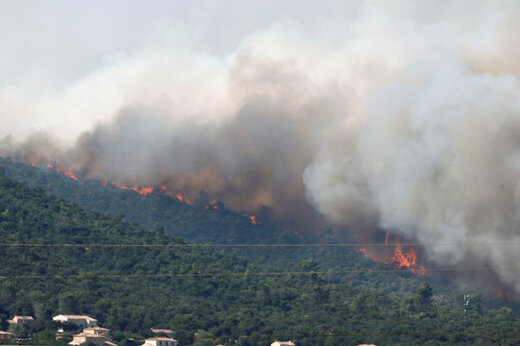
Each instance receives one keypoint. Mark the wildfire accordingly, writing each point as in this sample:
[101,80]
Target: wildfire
[399,258]
[63,171]
[406,259]
[58,169]
[253,219]
[363,250]
[180,197]
[143,191]
[501,293]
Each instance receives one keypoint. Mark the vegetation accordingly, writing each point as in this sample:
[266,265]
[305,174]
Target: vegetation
[205,294]
[198,224]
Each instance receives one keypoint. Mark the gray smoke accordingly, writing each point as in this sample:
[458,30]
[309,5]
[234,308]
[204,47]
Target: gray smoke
[408,120]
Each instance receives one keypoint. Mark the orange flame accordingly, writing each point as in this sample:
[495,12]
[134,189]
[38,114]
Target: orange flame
[180,197]
[167,192]
[406,259]
[400,258]
[253,219]
[501,293]
[140,190]
[66,172]
[58,169]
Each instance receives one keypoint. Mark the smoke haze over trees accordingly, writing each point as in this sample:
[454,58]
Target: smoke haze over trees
[403,116]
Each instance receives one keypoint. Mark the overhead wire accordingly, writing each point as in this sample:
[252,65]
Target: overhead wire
[267,245]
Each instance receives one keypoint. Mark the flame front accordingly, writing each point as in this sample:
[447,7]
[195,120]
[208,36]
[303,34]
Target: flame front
[253,219]
[399,258]
[180,197]
[143,191]
[501,293]
[406,259]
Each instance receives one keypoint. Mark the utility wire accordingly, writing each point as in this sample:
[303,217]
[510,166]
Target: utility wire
[255,245]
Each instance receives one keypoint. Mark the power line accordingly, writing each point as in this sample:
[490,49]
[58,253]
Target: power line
[255,245]
[247,273]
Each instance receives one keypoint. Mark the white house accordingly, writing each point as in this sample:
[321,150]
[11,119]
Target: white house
[283,343]
[97,331]
[79,320]
[27,320]
[160,341]
[81,338]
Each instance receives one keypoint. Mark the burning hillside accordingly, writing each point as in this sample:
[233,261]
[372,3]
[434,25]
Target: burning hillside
[395,255]
[406,119]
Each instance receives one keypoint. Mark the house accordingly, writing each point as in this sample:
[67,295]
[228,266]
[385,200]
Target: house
[6,336]
[161,332]
[283,343]
[160,341]
[79,320]
[81,338]
[97,331]
[27,320]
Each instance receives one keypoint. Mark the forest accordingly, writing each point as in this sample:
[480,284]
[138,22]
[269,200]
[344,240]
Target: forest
[62,258]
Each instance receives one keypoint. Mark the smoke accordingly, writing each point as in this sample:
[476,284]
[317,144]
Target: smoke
[408,120]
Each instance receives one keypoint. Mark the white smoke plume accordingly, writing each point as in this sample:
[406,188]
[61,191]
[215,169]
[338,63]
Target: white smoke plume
[407,117]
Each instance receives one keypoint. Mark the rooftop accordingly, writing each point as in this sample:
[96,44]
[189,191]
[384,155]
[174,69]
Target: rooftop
[23,317]
[76,317]
[160,338]
[166,331]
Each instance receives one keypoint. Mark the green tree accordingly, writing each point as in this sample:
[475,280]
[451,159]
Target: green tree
[46,335]
[424,294]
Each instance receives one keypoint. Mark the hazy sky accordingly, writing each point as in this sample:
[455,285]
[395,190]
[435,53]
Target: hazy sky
[52,49]
[59,41]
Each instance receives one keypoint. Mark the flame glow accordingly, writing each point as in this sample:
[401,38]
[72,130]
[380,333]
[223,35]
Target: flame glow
[143,191]
[406,259]
[501,293]
[399,258]
[253,219]
[58,169]
[62,170]
[180,197]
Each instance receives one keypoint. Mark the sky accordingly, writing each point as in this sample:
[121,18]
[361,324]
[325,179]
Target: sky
[64,40]
[49,47]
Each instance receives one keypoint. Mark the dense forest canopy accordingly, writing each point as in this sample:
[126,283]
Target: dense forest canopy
[133,289]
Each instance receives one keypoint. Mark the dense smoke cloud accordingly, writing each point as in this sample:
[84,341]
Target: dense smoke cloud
[409,121]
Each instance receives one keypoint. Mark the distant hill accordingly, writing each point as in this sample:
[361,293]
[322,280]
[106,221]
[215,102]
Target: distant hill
[222,226]
[123,288]
[199,224]
[195,223]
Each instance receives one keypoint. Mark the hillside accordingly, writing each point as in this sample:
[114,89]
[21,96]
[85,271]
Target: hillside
[131,289]
[196,223]
[222,226]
